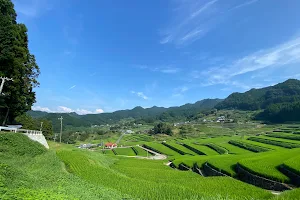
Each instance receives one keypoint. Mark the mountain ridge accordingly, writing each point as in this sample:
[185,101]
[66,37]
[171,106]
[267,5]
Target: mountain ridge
[138,112]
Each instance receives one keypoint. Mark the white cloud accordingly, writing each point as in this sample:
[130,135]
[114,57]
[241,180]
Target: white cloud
[261,62]
[140,94]
[243,5]
[192,34]
[72,87]
[64,109]
[39,108]
[168,70]
[283,54]
[99,110]
[179,91]
[162,69]
[193,19]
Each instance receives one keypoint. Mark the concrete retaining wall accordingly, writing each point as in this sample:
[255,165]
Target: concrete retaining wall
[209,171]
[265,183]
[183,167]
[39,138]
[197,170]
[295,178]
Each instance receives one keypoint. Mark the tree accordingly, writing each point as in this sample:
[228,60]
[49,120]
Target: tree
[16,62]
[47,128]
[35,124]
[162,128]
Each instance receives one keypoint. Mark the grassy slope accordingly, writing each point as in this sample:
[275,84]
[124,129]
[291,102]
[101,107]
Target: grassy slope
[125,151]
[266,164]
[141,152]
[28,171]
[161,148]
[152,180]
[293,164]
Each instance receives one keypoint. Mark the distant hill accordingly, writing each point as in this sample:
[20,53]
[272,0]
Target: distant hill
[256,99]
[153,113]
[37,114]
[280,103]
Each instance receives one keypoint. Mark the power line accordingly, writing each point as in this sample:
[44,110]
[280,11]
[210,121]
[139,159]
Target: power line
[3,81]
[61,119]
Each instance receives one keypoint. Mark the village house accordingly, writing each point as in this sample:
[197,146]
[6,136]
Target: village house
[110,145]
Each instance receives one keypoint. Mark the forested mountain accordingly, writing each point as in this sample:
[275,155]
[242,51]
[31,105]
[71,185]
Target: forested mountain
[256,99]
[145,114]
[281,102]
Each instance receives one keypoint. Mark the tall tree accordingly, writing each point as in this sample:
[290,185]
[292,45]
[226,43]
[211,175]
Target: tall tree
[16,62]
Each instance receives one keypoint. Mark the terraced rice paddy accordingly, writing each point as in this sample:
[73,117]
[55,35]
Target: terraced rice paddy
[261,156]
[266,164]
[145,179]
[248,146]
[158,147]
[124,151]
[202,148]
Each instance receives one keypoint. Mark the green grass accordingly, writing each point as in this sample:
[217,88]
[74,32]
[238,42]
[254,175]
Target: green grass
[248,146]
[108,152]
[217,148]
[288,145]
[266,164]
[267,146]
[226,163]
[293,164]
[181,148]
[158,147]
[206,150]
[134,139]
[140,152]
[285,136]
[234,149]
[29,171]
[124,151]
[152,180]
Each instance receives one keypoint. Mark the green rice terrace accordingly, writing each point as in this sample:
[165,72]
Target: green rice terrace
[264,166]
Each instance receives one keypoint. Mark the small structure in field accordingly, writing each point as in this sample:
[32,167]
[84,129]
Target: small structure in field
[110,145]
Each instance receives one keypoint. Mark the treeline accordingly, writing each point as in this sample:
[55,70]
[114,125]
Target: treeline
[256,99]
[280,103]
[139,114]
[281,112]
[30,123]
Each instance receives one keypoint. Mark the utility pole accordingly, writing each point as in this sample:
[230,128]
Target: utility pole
[61,119]
[3,81]
[41,126]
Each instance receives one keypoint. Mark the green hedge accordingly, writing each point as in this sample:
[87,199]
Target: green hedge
[217,148]
[288,145]
[285,136]
[250,147]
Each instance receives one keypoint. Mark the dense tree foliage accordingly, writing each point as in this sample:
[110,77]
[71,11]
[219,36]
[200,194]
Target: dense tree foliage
[162,128]
[281,102]
[16,62]
[141,115]
[281,112]
[35,124]
[255,99]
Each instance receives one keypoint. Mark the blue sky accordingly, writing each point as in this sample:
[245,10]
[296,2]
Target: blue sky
[100,56]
